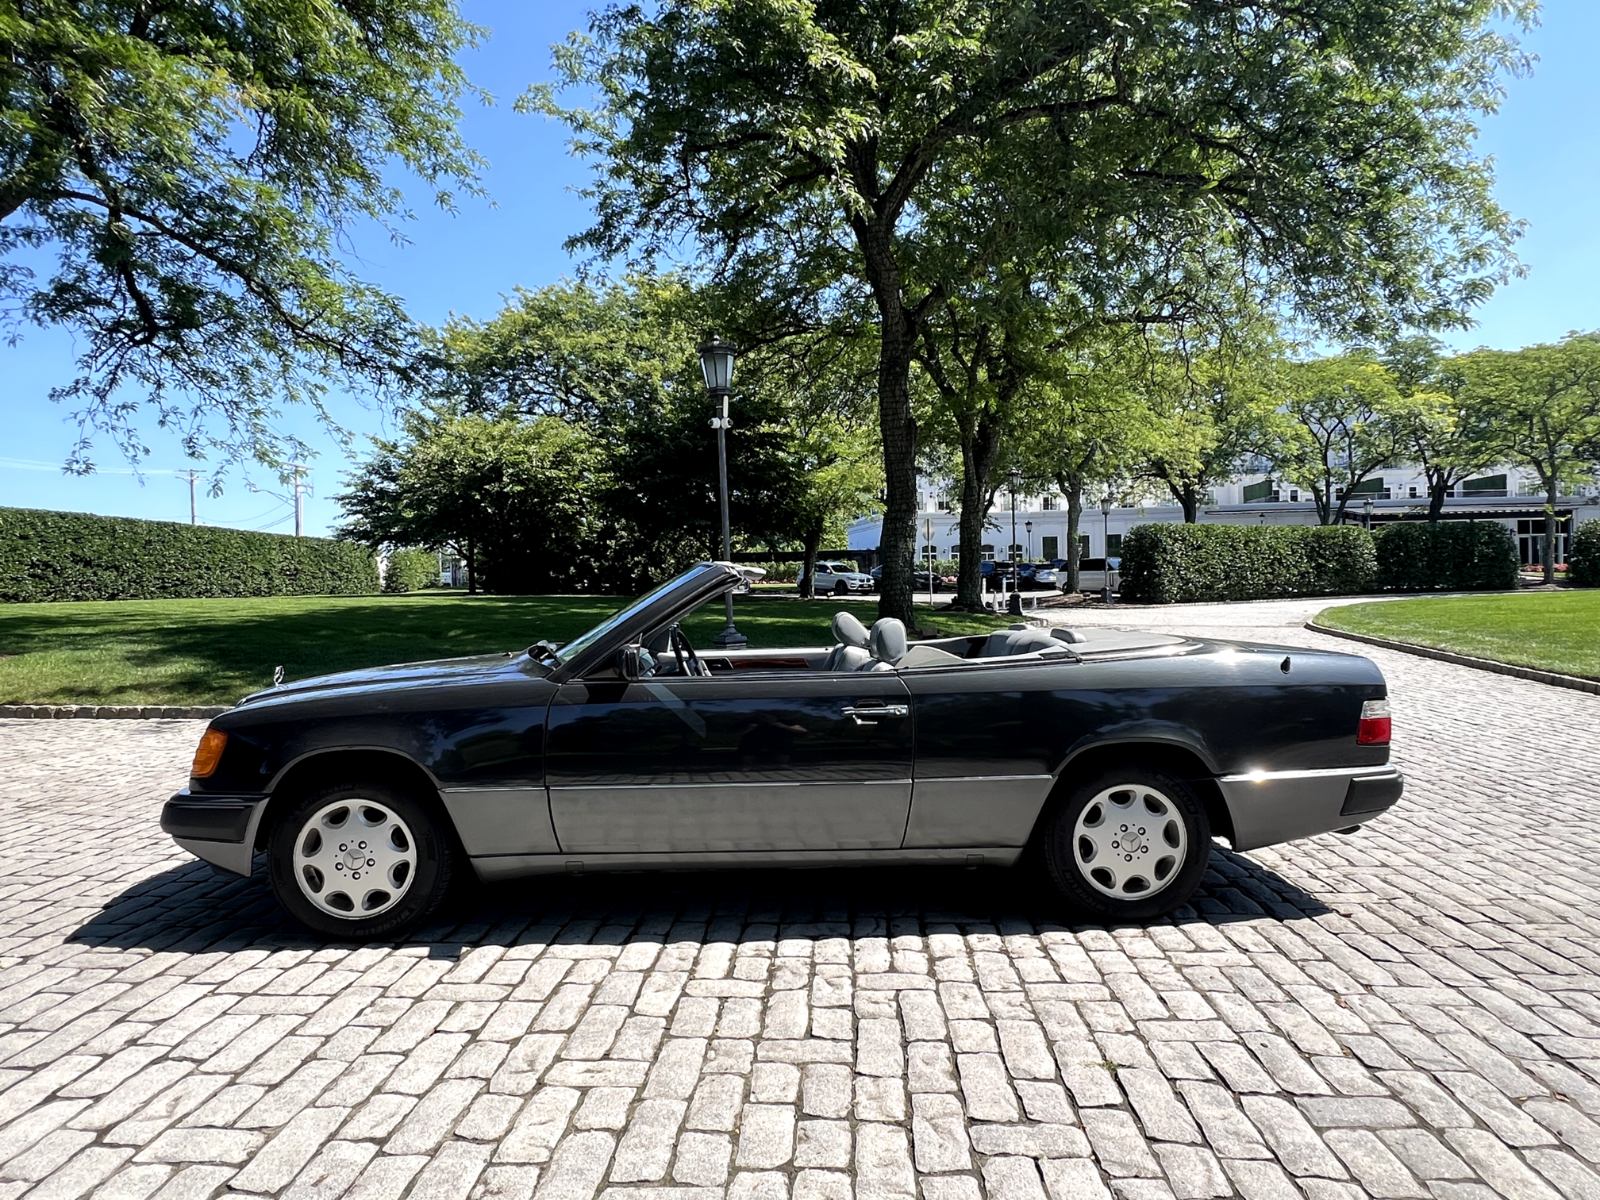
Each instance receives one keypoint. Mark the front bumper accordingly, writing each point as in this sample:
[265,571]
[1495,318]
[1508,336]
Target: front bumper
[219,829]
[1268,807]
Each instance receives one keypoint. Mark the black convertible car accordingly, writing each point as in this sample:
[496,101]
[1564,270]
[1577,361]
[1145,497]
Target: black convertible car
[1114,756]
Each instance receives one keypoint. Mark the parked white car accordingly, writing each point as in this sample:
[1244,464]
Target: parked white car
[840,579]
[1094,573]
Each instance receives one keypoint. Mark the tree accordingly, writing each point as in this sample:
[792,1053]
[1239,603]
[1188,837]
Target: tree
[1209,396]
[1337,428]
[620,361]
[1086,425]
[192,168]
[1450,439]
[514,498]
[1329,146]
[1547,402]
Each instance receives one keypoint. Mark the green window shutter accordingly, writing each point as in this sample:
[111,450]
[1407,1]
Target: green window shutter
[1257,491]
[1489,483]
[1367,485]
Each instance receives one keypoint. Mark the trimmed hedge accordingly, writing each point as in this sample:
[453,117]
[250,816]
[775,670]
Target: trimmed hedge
[79,556]
[411,571]
[1583,564]
[1175,564]
[1450,556]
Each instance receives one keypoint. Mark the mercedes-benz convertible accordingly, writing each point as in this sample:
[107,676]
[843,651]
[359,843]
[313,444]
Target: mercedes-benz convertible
[1107,757]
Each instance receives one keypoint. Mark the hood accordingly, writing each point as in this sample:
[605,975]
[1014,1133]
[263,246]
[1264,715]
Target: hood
[435,672]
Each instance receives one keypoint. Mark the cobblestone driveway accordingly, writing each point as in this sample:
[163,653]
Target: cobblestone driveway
[1414,1011]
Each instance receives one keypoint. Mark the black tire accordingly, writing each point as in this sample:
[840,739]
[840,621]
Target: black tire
[1148,789]
[425,884]
[840,589]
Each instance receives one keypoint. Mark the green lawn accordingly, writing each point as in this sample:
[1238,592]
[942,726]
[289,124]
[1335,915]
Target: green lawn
[214,651]
[1551,631]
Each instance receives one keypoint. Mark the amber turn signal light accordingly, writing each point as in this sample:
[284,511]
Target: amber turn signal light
[208,753]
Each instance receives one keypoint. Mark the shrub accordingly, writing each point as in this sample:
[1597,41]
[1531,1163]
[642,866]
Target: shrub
[778,572]
[411,571]
[79,556]
[1583,565]
[1450,556]
[1174,564]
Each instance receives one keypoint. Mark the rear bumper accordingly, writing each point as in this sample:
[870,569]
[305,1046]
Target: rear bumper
[219,829]
[1268,807]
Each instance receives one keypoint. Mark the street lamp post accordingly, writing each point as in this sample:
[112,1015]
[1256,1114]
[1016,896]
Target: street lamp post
[1028,525]
[1105,517]
[716,364]
[1366,512]
[1014,601]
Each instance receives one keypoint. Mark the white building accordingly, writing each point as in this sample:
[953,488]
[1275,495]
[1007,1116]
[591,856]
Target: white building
[1509,495]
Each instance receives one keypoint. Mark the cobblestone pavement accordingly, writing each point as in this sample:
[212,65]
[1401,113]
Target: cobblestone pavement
[1412,1011]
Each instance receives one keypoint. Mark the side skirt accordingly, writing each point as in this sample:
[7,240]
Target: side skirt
[519,866]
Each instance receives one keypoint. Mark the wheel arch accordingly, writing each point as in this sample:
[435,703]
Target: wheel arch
[320,767]
[1175,757]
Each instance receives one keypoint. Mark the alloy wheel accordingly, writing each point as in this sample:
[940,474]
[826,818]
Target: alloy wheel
[355,858]
[1129,841]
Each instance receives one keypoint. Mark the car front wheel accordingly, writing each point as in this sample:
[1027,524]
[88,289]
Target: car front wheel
[1129,844]
[360,860]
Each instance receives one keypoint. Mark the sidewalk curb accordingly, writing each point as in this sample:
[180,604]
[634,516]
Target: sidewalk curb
[1554,679]
[126,712]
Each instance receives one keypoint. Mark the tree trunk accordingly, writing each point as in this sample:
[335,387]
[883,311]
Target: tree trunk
[1552,487]
[978,451]
[808,565]
[1436,495]
[1074,519]
[897,543]
[1324,498]
[1189,497]
[472,569]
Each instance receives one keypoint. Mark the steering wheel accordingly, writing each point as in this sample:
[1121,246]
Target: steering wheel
[688,661]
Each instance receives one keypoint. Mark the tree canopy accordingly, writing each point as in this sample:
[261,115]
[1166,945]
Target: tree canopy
[1326,145]
[191,170]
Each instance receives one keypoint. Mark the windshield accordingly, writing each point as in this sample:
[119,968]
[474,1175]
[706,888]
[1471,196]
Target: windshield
[573,649]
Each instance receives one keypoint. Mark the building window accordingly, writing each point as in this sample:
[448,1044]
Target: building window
[930,552]
[1052,503]
[1530,541]
[1294,495]
[955,553]
[1047,549]
[1083,545]
[943,505]
[1113,545]
[1411,492]
[986,552]
[1016,552]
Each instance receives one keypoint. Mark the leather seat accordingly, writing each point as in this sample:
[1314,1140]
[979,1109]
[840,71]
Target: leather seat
[1006,642]
[852,652]
[888,644]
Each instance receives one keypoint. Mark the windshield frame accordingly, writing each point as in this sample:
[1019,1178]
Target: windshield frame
[678,595]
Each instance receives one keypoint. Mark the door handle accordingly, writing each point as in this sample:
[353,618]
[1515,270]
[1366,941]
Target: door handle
[866,714]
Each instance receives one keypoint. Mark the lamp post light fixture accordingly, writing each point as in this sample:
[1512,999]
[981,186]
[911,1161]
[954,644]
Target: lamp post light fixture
[1105,517]
[1366,512]
[716,364]
[1028,525]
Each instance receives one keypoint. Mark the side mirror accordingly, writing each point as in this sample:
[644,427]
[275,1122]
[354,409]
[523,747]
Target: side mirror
[629,665]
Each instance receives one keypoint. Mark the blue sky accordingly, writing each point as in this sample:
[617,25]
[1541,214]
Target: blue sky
[1545,143]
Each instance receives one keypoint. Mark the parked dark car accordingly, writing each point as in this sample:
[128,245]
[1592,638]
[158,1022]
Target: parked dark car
[921,580]
[1116,755]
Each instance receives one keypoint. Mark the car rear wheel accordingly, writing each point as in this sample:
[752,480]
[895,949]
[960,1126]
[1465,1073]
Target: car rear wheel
[1129,844]
[360,860]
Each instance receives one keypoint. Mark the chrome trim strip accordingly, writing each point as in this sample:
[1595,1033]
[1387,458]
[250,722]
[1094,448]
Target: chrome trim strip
[1321,773]
[499,787]
[743,783]
[976,778]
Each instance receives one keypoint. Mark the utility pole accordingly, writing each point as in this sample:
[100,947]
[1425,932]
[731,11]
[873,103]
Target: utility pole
[190,474]
[299,470]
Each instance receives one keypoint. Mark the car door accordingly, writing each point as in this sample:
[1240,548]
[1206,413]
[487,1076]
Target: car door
[746,762]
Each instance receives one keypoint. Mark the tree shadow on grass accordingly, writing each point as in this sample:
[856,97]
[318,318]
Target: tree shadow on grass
[192,909]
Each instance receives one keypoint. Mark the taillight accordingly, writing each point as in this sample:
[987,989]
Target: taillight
[1374,727]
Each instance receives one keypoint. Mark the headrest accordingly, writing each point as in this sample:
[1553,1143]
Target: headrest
[888,639]
[1071,636]
[850,631]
